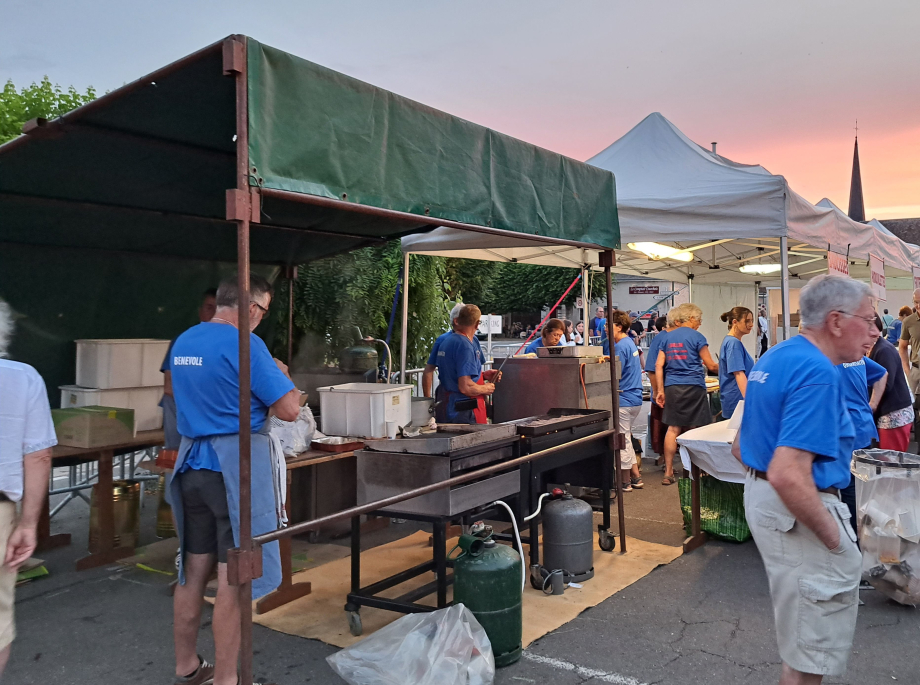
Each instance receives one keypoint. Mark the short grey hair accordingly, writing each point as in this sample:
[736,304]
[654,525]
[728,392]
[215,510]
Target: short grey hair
[455,312]
[6,328]
[830,293]
[683,313]
[228,292]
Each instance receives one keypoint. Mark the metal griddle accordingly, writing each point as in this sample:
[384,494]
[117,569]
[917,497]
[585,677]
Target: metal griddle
[451,440]
[559,419]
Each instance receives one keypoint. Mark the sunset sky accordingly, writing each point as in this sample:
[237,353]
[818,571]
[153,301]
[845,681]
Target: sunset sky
[780,83]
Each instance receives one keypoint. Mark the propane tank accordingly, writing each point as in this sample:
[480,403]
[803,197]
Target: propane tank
[487,580]
[568,537]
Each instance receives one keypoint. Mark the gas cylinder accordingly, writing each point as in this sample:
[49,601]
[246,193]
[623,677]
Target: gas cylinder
[568,537]
[487,580]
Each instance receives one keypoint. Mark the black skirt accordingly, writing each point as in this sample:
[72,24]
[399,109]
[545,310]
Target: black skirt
[686,406]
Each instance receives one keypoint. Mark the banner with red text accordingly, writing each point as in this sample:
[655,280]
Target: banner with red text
[838,264]
[877,275]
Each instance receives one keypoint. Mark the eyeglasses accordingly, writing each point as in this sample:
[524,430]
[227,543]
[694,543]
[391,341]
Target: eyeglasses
[264,310]
[870,320]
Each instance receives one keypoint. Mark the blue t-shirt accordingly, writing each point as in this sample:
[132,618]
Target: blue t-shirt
[205,375]
[855,379]
[433,357]
[732,357]
[458,356]
[653,349]
[682,364]
[894,332]
[630,372]
[794,400]
[599,326]
[538,342]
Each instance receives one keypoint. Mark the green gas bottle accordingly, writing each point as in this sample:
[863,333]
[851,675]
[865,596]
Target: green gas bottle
[487,580]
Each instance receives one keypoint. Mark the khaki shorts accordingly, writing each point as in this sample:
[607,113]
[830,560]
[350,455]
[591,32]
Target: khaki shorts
[815,590]
[7,577]
[913,380]
[628,416]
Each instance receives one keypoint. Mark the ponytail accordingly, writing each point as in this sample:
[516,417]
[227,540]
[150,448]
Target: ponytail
[735,314]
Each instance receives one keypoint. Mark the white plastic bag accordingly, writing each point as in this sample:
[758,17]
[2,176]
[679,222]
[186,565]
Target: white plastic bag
[295,436]
[443,647]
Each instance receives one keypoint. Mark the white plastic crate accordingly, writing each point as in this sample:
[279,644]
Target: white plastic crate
[108,364]
[362,409]
[148,415]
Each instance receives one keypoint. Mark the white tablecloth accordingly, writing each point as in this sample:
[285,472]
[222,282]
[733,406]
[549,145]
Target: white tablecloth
[710,448]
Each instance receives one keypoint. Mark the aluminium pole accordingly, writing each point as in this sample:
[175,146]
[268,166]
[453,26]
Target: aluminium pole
[585,307]
[784,283]
[405,319]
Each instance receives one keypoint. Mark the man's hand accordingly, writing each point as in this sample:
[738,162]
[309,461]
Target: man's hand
[492,375]
[20,546]
[488,388]
[659,399]
[790,475]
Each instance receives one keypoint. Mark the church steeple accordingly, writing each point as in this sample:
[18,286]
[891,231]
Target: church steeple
[856,210]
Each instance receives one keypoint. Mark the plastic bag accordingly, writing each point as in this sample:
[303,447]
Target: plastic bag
[295,436]
[721,508]
[888,519]
[443,647]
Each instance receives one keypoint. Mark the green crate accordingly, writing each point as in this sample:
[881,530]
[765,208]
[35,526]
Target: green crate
[721,508]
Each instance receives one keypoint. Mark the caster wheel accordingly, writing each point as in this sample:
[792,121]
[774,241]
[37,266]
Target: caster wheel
[606,541]
[354,623]
[536,583]
[312,536]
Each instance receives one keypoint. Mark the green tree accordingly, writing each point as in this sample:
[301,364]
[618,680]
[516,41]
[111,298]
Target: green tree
[336,296]
[43,99]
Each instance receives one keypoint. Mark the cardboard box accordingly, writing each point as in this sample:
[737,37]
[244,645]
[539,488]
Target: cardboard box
[95,426]
[148,415]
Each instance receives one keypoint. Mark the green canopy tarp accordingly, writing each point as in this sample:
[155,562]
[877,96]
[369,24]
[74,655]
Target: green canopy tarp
[113,217]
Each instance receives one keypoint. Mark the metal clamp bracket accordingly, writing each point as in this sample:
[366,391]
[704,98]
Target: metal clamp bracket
[243,566]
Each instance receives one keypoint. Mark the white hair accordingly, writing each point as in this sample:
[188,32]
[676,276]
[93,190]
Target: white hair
[830,293]
[6,328]
[455,312]
[683,313]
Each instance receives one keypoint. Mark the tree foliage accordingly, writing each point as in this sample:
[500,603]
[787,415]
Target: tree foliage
[42,99]
[336,296]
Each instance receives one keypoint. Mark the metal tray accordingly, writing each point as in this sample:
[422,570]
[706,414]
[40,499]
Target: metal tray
[448,440]
[570,351]
[336,444]
[559,419]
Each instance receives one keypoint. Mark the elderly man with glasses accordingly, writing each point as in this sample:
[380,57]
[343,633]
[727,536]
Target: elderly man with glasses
[204,489]
[796,439]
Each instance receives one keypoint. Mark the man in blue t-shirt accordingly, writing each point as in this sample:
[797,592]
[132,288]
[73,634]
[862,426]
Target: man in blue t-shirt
[204,490]
[459,362]
[599,324]
[796,439]
[432,364]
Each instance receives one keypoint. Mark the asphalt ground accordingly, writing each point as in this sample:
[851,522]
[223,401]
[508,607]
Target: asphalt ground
[704,618]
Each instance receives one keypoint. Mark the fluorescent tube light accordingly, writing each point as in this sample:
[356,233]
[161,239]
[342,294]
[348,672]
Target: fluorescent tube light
[659,251]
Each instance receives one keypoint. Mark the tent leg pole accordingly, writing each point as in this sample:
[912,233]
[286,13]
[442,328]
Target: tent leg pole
[689,285]
[608,259]
[242,562]
[585,305]
[784,263]
[405,320]
[757,318]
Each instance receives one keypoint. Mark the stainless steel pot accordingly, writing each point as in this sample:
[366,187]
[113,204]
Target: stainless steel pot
[422,410]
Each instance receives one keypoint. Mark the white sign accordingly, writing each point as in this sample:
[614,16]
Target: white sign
[877,274]
[838,264]
[579,303]
[916,271]
[490,323]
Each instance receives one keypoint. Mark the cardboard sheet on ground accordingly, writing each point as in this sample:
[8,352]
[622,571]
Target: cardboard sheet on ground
[710,448]
[321,615]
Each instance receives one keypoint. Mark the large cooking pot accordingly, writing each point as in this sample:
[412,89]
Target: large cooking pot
[358,359]
[422,410]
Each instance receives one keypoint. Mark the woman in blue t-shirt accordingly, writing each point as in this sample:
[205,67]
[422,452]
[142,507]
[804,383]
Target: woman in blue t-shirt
[630,395]
[550,336]
[735,363]
[683,395]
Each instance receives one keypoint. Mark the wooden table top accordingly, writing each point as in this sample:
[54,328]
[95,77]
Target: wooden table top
[143,439]
[313,457]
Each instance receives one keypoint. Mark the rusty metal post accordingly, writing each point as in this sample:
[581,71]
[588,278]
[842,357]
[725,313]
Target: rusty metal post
[239,209]
[608,259]
[290,273]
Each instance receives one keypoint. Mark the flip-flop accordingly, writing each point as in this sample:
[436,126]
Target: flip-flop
[668,480]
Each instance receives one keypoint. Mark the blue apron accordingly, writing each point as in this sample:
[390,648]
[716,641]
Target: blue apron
[446,411]
[264,517]
[172,439]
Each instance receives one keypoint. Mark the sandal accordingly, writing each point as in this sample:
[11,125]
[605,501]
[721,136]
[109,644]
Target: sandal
[668,480]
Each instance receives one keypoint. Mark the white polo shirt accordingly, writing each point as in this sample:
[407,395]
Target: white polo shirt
[25,422]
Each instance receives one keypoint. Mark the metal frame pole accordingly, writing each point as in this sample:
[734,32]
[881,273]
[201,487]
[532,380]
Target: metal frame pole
[291,274]
[784,283]
[242,565]
[585,305]
[404,338]
[757,318]
[608,259]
